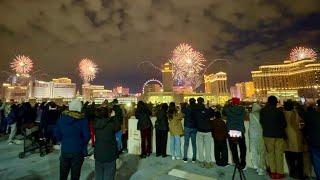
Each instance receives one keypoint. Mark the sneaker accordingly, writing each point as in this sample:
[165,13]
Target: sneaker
[185,160]
[56,147]
[178,158]
[244,168]
[10,143]
[194,160]
[173,158]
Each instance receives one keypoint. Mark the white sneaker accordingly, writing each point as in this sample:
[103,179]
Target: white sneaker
[178,158]
[10,143]
[245,168]
[173,158]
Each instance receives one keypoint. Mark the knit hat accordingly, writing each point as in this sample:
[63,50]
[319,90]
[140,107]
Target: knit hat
[75,105]
[235,101]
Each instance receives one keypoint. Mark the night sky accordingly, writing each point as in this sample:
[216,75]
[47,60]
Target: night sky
[119,34]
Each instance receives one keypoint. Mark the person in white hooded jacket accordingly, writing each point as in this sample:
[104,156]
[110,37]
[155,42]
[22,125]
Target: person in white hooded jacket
[256,143]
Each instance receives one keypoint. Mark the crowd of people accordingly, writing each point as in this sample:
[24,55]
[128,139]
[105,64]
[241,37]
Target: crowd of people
[291,131]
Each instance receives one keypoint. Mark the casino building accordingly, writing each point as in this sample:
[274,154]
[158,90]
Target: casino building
[301,76]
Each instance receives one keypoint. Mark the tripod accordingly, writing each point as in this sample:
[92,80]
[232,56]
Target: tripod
[241,173]
[235,141]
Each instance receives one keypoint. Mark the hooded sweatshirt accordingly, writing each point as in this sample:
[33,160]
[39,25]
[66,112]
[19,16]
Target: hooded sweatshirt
[73,132]
[235,117]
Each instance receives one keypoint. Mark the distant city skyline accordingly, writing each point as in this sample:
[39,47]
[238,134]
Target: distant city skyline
[118,35]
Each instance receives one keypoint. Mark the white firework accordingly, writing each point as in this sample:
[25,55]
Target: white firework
[299,53]
[88,70]
[187,65]
[22,64]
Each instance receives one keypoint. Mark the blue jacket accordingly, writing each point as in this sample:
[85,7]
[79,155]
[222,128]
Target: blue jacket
[235,117]
[72,131]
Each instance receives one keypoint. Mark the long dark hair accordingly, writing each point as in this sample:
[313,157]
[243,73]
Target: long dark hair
[172,110]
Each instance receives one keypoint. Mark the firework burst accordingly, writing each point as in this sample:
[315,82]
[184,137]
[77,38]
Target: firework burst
[88,70]
[299,53]
[187,65]
[22,64]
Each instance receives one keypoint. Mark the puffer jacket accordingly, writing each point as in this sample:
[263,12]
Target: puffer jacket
[106,145]
[175,125]
[72,131]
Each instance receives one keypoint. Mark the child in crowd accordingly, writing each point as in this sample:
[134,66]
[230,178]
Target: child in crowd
[220,135]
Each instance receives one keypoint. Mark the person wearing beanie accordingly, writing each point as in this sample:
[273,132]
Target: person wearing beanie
[235,121]
[72,131]
[273,125]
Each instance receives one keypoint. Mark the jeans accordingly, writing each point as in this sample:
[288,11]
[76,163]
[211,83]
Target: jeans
[234,150]
[146,141]
[105,171]
[175,146]
[73,162]
[190,133]
[13,131]
[315,153]
[204,142]
[161,142]
[119,140]
[221,152]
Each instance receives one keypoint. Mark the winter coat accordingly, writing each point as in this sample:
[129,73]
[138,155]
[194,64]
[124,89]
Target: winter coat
[106,145]
[73,132]
[235,117]
[29,115]
[202,116]
[162,121]
[144,120]
[189,117]
[273,122]
[52,116]
[294,137]
[175,125]
[219,129]
[312,128]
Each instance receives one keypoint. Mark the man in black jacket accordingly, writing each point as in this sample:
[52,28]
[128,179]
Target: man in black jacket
[190,129]
[105,151]
[273,125]
[312,129]
[204,139]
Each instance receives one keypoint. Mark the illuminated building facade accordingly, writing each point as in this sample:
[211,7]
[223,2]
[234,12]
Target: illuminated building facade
[216,84]
[152,87]
[167,78]
[120,91]
[302,75]
[15,92]
[57,88]
[87,91]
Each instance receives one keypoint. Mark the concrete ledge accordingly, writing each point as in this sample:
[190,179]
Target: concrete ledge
[187,175]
